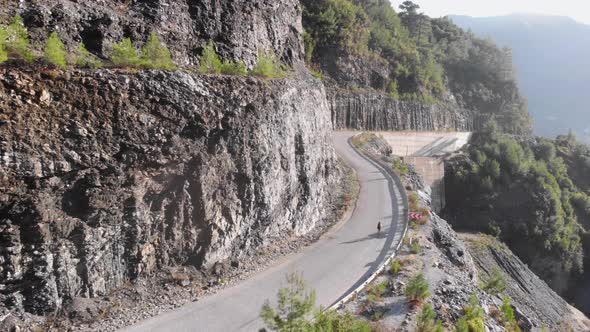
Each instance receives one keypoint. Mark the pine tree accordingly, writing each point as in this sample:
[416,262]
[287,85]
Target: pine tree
[156,55]
[268,66]
[3,52]
[417,289]
[295,303]
[17,42]
[55,51]
[510,323]
[125,55]
[210,63]
[426,320]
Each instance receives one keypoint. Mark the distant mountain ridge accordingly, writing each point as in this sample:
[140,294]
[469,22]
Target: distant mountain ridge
[552,59]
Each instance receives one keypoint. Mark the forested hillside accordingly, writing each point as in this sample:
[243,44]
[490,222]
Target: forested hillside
[533,194]
[551,58]
[410,56]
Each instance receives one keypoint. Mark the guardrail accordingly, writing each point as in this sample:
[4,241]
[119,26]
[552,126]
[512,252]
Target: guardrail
[387,168]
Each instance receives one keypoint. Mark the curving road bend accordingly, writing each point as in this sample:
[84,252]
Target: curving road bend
[333,266]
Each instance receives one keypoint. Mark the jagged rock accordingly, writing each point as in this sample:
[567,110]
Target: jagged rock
[536,304]
[123,174]
[9,323]
[446,240]
[239,28]
[349,71]
[82,309]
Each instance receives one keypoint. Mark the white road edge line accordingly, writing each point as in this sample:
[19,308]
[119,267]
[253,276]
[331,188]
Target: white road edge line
[380,269]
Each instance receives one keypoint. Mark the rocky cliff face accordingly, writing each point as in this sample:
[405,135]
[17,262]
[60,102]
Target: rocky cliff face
[239,28]
[107,176]
[349,71]
[375,111]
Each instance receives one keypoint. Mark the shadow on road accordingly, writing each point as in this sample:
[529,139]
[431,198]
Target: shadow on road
[388,232]
[377,235]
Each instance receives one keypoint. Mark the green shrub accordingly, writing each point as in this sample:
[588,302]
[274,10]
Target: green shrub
[85,59]
[395,267]
[375,291]
[125,55]
[210,63]
[426,320]
[417,289]
[414,201]
[330,320]
[377,316]
[418,97]
[3,52]
[310,45]
[393,90]
[156,55]
[268,66]
[415,247]
[495,283]
[509,319]
[55,51]
[400,167]
[295,303]
[17,40]
[234,68]
[317,74]
[473,319]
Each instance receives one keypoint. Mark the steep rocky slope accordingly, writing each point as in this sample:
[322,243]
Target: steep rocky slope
[109,175]
[456,266]
[536,304]
[239,28]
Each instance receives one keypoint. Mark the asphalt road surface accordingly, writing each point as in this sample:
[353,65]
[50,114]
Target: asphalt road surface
[340,261]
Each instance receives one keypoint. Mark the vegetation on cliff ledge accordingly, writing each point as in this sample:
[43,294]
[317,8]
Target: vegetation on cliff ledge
[15,45]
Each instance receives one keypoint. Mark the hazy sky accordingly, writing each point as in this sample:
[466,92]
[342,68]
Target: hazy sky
[576,9]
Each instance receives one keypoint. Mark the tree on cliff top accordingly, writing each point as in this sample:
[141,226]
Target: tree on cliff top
[17,40]
[210,63]
[55,51]
[268,66]
[3,53]
[156,55]
[125,55]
